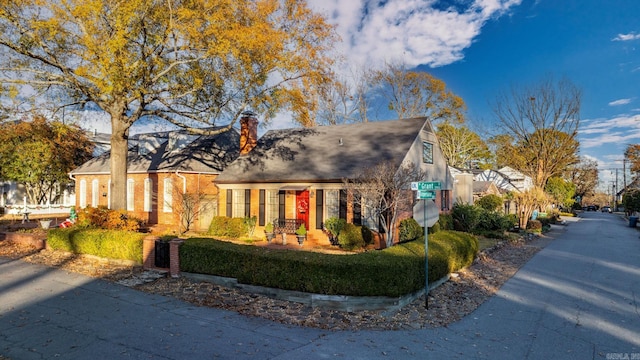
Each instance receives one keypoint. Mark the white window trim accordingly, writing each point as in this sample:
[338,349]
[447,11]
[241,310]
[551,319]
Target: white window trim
[148,188]
[131,186]
[167,191]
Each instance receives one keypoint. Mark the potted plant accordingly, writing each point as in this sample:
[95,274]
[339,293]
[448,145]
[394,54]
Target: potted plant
[268,231]
[301,233]
[45,223]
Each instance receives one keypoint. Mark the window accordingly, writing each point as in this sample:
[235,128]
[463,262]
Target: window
[238,203]
[167,204]
[369,218]
[444,198]
[130,193]
[95,189]
[83,193]
[271,208]
[148,188]
[332,203]
[109,194]
[427,153]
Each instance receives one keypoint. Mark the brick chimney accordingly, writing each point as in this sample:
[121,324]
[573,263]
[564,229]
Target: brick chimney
[248,132]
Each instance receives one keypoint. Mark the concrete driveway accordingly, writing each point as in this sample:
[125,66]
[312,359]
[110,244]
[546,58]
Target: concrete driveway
[576,299]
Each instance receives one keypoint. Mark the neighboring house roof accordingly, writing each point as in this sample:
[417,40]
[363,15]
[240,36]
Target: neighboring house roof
[634,184]
[482,187]
[205,154]
[324,153]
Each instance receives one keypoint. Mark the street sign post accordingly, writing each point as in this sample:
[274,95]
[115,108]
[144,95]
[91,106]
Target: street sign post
[425,185]
[425,190]
[425,194]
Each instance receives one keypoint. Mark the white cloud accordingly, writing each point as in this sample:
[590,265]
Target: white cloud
[622,129]
[620,102]
[627,37]
[412,31]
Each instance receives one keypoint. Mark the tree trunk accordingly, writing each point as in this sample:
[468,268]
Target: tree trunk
[118,159]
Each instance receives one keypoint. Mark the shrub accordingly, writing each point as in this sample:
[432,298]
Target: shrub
[435,228]
[465,217]
[350,237]
[334,226]
[534,226]
[367,235]
[112,244]
[410,230]
[490,202]
[104,218]
[395,271]
[228,227]
[493,221]
[250,225]
[445,222]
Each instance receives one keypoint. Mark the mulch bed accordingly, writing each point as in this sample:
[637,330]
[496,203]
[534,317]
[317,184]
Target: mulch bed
[450,302]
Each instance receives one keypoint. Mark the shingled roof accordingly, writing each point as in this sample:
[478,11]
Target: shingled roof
[206,154]
[324,153]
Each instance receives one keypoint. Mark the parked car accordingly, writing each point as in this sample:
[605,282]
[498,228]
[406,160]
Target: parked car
[591,208]
[606,209]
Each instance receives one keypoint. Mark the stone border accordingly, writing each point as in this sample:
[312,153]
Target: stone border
[328,302]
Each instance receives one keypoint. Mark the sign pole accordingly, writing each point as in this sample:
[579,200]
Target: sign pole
[426,256]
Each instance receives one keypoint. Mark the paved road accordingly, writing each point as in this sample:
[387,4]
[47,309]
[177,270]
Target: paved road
[576,299]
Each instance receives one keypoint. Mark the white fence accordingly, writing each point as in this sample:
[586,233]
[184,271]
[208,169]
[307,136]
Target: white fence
[46,209]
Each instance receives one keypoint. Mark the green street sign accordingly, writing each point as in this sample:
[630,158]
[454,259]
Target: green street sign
[425,194]
[426,185]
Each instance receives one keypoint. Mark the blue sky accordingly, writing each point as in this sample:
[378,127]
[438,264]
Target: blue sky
[482,47]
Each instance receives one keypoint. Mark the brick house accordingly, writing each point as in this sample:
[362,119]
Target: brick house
[162,167]
[296,175]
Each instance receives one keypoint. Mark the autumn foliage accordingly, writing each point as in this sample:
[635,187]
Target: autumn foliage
[104,218]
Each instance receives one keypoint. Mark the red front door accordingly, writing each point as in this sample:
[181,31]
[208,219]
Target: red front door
[302,207]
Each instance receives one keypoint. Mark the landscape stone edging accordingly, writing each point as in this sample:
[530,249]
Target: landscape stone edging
[328,302]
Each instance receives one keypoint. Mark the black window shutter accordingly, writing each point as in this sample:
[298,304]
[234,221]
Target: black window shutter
[247,203]
[319,207]
[261,208]
[281,213]
[343,204]
[229,202]
[357,213]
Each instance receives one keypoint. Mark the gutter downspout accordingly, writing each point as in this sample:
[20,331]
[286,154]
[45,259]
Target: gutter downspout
[184,181]
[74,184]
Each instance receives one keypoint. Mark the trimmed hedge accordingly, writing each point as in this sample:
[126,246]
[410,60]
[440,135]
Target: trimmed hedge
[112,244]
[228,227]
[395,271]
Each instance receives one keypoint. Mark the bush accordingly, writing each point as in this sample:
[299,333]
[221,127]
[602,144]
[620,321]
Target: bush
[350,237]
[228,227]
[410,230]
[493,221]
[445,221]
[334,226]
[395,271]
[534,226]
[250,225]
[367,235]
[490,202]
[112,244]
[465,217]
[435,228]
[104,218]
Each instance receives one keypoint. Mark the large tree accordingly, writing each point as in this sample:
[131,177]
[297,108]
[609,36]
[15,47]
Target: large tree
[584,175]
[39,155]
[416,93]
[632,154]
[195,64]
[543,121]
[461,146]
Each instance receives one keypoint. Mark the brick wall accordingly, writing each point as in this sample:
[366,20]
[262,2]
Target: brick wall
[195,183]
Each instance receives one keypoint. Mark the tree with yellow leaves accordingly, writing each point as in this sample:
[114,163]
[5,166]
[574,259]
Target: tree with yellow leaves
[196,64]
